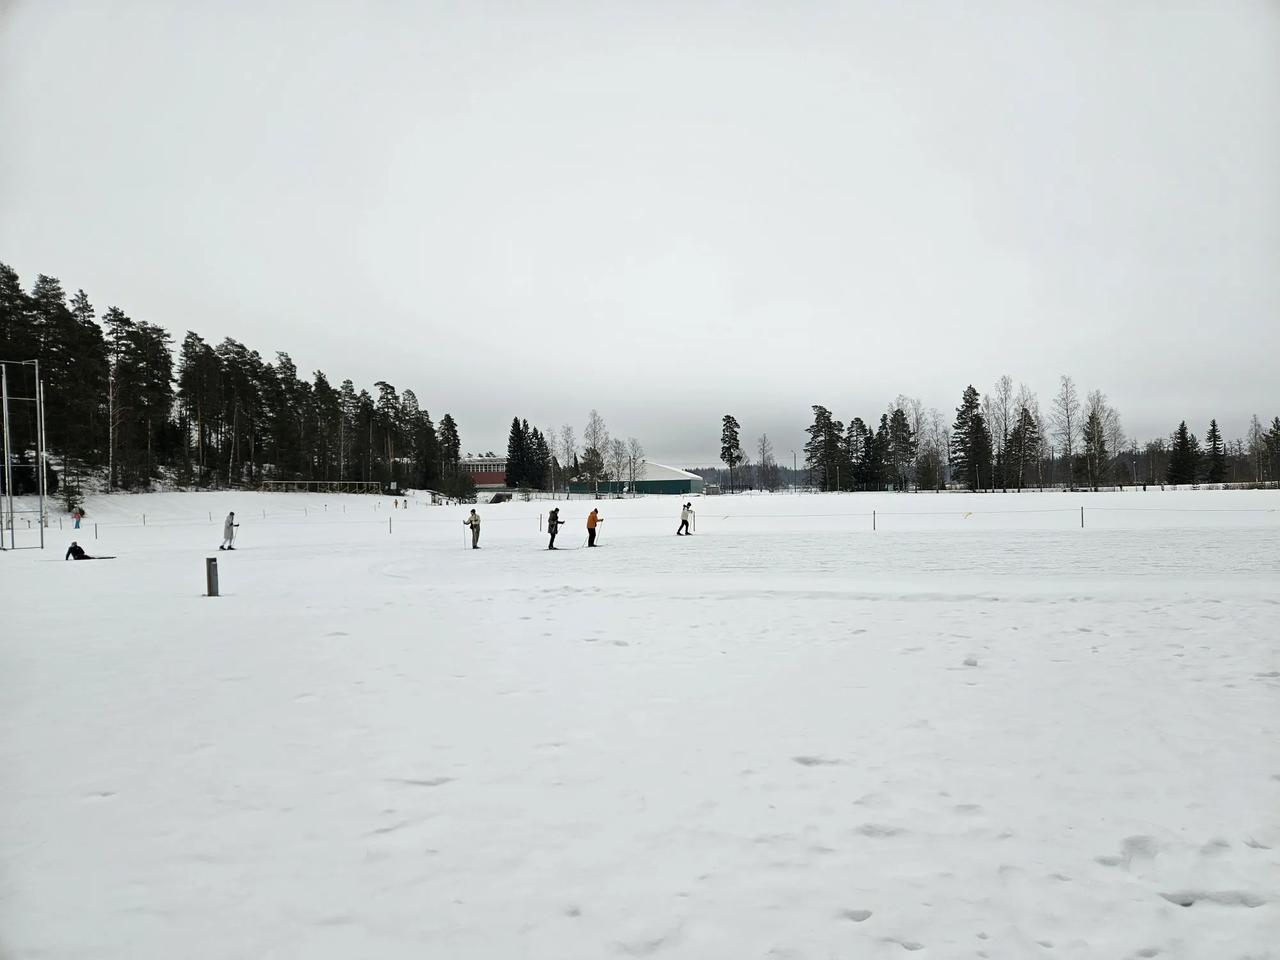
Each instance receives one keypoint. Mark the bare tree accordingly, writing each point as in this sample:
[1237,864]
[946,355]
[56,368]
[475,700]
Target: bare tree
[1257,447]
[618,460]
[567,446]
[1113,429]
[1003,416]
[635,457]
[913,407]
[596,435]
[595,439]
[1066,420]
[768,469]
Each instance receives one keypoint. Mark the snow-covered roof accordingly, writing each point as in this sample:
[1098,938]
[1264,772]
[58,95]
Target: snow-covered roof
[659,471]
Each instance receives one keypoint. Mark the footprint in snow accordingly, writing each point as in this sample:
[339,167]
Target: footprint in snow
[1229,898]
[878,830]
[910,945]
[857,916]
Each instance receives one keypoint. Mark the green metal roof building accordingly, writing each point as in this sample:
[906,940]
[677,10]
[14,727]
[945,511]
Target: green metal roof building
[650,478]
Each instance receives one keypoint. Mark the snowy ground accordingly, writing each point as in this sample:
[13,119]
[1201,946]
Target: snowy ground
[979,731]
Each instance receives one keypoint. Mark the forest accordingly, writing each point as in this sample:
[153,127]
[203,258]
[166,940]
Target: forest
[122,405]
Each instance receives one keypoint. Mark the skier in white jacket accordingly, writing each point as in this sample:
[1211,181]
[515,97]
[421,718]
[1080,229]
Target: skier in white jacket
[686,514]
[229,531]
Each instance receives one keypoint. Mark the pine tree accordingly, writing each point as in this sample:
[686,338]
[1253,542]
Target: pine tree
[1215,455]
[730,445]
[450,453]
[1273,448]
[902,446]
[1184,457]
[857,452]
[881,448]
[823,449]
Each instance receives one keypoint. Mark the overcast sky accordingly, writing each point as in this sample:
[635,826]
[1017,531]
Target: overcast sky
[670,211]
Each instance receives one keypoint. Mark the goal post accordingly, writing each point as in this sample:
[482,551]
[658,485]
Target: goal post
[20,383]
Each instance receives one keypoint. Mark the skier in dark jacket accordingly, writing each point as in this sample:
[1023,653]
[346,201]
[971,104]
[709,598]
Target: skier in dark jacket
[553,527]
[76,552]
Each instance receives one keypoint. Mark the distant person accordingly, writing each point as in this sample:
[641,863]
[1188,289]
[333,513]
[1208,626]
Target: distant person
[473,522]
[76,552]
[229,532]
[593,519]
[683,529]
[76,514]
[553,527]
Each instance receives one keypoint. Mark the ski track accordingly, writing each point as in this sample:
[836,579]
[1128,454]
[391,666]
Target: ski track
[771,739]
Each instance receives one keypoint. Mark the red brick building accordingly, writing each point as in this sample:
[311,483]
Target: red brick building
[487,472]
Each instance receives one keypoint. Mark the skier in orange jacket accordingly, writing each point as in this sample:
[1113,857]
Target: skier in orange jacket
[593,518]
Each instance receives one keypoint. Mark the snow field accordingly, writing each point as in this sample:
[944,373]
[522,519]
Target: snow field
[993,735]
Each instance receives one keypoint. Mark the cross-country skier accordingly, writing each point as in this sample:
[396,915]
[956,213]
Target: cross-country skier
[76,552]
[473,522]
[553,526]
[593,519]
[683,529]
[229,532]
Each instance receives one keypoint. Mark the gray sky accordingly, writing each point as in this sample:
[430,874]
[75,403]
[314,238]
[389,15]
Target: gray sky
[670,211]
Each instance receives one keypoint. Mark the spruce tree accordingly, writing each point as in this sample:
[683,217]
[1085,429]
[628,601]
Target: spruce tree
[517,455]
[1184,456]
[981,453]
[967,464]
[1096,457]
[902,444]
[1215,454]
[1024,446]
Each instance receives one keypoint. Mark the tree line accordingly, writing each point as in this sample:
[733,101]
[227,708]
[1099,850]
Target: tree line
[121,404]
[1002,440]
[118,403]
[551,460]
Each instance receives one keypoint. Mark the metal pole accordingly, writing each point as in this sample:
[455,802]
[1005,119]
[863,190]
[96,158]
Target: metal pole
[41,453]
[8,466]
[1082,518]
[211,576]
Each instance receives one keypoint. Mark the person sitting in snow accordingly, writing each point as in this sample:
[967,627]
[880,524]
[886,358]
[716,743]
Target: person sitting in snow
[76,552]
